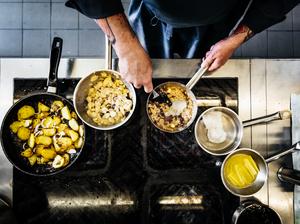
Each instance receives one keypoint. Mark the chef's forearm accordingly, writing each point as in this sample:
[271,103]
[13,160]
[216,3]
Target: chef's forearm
[119,32]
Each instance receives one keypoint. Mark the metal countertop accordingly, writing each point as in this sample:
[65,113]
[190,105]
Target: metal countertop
[265,86]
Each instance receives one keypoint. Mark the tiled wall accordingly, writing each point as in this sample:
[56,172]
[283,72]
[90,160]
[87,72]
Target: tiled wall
[27,27]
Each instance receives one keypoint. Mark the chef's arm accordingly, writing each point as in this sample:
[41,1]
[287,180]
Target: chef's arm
[134,63]
[265,13]
[261,15]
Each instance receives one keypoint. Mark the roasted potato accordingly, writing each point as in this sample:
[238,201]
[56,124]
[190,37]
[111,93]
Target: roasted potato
[43,140]
[14,127]
[49,131]
[66,159]
[48,153]
[57,105]
[32,159]
[73,135]
[78,143]
[31,141]
[23,133]
[42,107]
[27,153]
[25,112]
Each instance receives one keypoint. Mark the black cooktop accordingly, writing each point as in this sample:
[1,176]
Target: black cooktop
[122,176]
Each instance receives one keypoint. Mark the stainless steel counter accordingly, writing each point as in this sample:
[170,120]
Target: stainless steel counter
[264,87]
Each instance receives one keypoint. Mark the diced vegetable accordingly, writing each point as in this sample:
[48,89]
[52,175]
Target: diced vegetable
[78,143]
[48,153]
[26,123]
[14,127]
[61,127]
[49,131]
[25,112]
[42,107]
[66,159]
[81,130]
[56,120]
[57,105]
[23,133]
[31,141]
[74,115]
[39,149]
[47,122]
[32,159]
[43,140]
[27,153]
[58,162]
[36,122]
[65,112]
[74,124]
[74,135]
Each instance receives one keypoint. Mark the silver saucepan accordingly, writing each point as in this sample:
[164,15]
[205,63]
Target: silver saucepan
[219,130]
[83,86]
[182,112]
[262,165]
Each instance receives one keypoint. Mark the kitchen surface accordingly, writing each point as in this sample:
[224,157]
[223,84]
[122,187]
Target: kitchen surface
[253,88]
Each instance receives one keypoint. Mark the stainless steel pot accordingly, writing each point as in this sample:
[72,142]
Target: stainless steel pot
[193,81]
[81,92]
[262,166]
[252,211]
[232,126]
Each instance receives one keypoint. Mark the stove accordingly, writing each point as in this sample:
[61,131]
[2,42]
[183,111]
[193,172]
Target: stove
[134,174]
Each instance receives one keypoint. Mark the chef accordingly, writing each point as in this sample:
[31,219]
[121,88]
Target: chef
[210,29]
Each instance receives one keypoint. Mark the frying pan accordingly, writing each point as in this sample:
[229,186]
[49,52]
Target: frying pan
[188,88]
[81,92]
[233,127]
[11,145]
[263,170]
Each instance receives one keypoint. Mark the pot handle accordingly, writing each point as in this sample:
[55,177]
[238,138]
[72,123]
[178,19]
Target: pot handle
[55,56]
[294,148]
[289,175]
[108,53]
[193,81]
[280,115]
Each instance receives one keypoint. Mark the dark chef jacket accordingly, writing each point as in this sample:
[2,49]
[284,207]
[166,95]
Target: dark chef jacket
[261,14]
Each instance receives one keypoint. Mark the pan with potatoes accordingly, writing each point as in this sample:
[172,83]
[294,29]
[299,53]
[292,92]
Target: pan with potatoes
[42,134]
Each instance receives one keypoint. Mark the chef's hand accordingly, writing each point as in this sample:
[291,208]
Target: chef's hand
[135,66]
[134,63]
[222,50]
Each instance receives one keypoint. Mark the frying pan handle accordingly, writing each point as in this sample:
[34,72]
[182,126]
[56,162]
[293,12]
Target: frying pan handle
[108,53]
[55,56]
[294,148]
[280,115]
[193,81]
[289,175]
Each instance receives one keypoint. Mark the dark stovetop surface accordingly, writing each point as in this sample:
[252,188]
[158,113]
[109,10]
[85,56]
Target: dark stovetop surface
[122,174]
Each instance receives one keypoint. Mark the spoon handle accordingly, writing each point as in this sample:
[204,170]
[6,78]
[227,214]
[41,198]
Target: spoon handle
[193,81]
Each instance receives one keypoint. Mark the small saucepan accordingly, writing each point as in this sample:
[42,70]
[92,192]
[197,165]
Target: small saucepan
[25,153]
[109,117]
[183,109]
[262,165]
[219,130]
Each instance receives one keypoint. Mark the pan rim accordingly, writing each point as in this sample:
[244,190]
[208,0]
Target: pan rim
[2,143]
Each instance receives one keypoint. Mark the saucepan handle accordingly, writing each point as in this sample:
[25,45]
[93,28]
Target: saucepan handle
[108,53]
[294,148]
[193,81]
[280,115]
[55,56]
[289,175]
